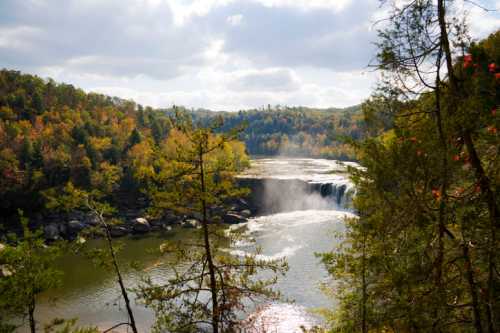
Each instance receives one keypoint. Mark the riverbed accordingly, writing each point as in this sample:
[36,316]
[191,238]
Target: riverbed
[91,294]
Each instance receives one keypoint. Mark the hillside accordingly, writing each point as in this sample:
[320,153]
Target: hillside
[52,133]
[293,131]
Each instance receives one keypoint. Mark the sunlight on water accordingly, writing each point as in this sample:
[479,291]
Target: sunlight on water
[93,296]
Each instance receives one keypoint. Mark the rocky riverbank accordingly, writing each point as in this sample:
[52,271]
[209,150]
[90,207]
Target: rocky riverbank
[137,221]
[295,190]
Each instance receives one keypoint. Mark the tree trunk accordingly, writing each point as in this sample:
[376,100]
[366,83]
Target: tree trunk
[484,185]
[482,179]
[119,276]
[31,314]
[211,268]
[472,288]
[442,215]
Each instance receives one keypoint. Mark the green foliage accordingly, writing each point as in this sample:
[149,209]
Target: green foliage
[423,255]
[207,285]
[26,270]
[72,198]
[52,134]
[293,131]
[67,326]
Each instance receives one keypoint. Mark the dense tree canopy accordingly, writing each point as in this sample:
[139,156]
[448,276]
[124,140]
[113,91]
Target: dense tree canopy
[294,131]
[52,134]
[423,255]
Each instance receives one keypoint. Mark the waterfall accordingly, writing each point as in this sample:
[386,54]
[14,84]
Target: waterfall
[269,195]
[293,184]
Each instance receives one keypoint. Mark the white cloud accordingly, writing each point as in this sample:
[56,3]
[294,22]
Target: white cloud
[481,23]
[18,37]
[235,20]
[184,10]
[269,79]
[219,54]
[335,5]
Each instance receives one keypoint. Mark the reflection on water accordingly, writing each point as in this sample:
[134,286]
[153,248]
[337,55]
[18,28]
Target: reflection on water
[92,294]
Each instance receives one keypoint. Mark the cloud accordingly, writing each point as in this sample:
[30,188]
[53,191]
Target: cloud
[271,79]
[480,23]
[291,36]
[104,38]
[335,5]
[235,20]
[221,54]
[16,37]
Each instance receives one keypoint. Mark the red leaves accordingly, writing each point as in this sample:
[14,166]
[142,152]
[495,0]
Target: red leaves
[467,61]
[492,67]
[492,129]
[497,76]
[436,193]
[456,158]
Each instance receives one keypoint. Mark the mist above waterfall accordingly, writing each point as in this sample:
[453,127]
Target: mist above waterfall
[290,184]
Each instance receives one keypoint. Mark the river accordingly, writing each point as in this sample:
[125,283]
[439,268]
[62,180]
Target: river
[297,222]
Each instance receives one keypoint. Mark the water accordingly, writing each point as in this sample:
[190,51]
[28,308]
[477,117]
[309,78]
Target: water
[92,294]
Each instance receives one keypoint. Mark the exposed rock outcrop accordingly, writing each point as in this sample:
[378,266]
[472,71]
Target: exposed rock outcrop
[233,218]
[141,225]
[51,232]
[191,223]
[75,226]
[118,231]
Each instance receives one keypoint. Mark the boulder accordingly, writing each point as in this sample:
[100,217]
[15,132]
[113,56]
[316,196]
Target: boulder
[155,227]
[140,225]
[92,219]
[171,218]
[62,229]
[191,223]
[118,231]
[168,219]
[196,216]
[246,213]
[242,203]
[76,215]
[217,211]
[156,222]
[233,218]
[51,231]
[75,226]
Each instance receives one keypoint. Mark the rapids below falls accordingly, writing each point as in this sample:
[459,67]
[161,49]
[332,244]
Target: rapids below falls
[302,203]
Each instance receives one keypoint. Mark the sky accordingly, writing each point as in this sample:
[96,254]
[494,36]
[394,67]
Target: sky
[215,54]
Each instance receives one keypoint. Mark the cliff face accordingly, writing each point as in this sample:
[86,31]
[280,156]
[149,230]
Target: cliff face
[270,195]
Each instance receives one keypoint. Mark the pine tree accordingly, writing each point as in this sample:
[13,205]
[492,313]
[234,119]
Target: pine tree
[211,287]
[420,257]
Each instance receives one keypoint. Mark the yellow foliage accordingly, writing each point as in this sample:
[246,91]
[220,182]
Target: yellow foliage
[100,143]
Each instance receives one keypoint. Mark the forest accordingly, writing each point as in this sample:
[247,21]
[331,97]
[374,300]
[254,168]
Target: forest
[54,133]
[295,131]
[418,251]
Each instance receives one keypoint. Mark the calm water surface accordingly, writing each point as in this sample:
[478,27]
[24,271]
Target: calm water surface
[92,295]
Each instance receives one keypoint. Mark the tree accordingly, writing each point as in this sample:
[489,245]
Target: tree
[27,269]
[212,284]
[103,182]
[428,217]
